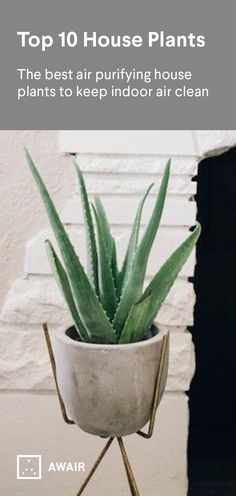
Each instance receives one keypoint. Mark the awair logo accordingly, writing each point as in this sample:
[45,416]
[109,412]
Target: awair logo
[66,467]
[30,466]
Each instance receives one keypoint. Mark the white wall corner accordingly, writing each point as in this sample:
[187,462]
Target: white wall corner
[210,143]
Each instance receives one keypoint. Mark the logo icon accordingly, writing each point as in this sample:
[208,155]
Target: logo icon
[29,466]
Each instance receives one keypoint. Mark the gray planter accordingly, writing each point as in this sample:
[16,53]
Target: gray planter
[108,389]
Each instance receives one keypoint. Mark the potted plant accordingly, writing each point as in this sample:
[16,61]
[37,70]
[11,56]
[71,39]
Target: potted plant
[107,361]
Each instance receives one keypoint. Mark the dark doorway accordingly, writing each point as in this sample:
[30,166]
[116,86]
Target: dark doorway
[212,437]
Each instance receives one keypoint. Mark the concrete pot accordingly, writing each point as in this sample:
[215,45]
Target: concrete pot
[108,389]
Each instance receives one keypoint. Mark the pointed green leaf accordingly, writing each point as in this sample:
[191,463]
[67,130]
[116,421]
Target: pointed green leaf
[107,292]
[136,321]
[92,314]
[159,287]
[104,227]
[114,266]
[91,242]
[64,286]
[133,289]
[132,244]
[107,237]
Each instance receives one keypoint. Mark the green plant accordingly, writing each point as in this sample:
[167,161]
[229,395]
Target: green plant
[109,305]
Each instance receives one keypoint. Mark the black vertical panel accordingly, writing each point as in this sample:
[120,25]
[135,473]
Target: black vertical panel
[212,438]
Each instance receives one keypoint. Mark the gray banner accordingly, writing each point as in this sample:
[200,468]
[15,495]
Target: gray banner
[186,86]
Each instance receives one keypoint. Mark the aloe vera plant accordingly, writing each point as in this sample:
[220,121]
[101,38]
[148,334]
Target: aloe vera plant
[109,305]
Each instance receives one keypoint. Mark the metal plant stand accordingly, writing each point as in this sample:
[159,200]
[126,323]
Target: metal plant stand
[146,435]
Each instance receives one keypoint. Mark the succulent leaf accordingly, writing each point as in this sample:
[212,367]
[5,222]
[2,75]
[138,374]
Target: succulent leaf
[106,284]
[104,226]
[158,288]
[64,286]
[136,320]
[108,238]
[133,288]
[92,314]
[132,244]
[114,266]
[91,242]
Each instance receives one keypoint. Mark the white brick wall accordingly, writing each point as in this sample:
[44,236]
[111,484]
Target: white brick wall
[120,179]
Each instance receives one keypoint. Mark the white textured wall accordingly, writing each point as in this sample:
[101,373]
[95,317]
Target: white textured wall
[120,180]
[32,410]
[21,213]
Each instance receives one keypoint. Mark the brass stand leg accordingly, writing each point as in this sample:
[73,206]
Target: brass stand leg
[98,461]
[157,392]
[130,476]
[53,365]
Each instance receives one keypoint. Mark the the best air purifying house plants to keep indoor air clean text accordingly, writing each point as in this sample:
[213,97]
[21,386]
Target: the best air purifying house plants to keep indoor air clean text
[107,361]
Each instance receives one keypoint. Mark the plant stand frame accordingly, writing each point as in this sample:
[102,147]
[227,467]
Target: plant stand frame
[146,435]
